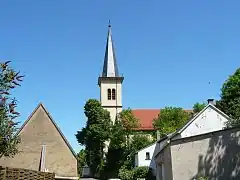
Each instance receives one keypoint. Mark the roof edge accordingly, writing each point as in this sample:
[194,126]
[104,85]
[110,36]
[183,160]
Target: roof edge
[208,133]
[54,123]
[191,121]
[198,114]
[146,147]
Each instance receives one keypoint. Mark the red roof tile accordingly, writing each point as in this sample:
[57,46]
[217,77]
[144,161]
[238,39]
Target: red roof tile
[146,117]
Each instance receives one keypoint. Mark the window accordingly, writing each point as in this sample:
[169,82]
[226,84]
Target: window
[147,156]
[109,94]
[113,94]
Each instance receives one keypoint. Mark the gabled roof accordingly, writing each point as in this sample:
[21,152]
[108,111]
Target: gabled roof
[160,140]
[198,114]
[146,117]
[180,130]
[40,105]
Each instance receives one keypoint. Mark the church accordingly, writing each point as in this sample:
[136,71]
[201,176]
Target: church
[110,83]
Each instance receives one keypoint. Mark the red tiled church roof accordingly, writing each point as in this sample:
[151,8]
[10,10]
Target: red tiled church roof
[146,117]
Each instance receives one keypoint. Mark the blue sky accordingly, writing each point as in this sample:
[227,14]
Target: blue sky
[168,52]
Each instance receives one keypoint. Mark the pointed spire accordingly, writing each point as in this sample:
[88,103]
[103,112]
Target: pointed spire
[110,68]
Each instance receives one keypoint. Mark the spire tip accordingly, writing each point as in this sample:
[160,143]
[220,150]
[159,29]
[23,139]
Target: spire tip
[109,23]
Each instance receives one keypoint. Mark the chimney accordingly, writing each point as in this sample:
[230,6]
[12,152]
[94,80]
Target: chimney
[211,101]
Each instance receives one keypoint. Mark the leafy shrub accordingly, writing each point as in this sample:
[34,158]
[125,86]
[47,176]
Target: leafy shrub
[140,172]
[125,174]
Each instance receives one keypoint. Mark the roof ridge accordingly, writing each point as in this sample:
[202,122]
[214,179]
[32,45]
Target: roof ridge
[54,123]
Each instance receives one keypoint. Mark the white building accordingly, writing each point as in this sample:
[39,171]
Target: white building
[210,119]
[144,156]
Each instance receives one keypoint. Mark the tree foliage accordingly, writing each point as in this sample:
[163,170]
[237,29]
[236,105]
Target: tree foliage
[121,150]
[138,142]
[81,161]
[9,80]
[129,121]
[95,134]
[197,107]
[230,98]
[170,119]
[116,151]
[126,173]
[134,173]
[123,145]
[141,172]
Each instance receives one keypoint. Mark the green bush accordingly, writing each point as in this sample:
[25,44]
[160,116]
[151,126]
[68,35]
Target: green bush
[125,174]
[140,172]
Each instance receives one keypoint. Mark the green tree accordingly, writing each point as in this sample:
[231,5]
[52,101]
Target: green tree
[120,153]
[9,80]
[127,170]
[230,98]
[170,119]
[197,107]
[129,122]
[95,134]
[116,151]
[81,161]
[138,142]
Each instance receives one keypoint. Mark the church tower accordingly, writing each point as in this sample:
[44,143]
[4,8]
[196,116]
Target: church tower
[110,82]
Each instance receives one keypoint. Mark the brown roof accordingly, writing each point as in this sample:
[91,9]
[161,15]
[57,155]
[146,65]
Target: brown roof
[146,117]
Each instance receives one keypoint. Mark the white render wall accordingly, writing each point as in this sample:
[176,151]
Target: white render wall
[113,106]
[140,157]
[104,94]
[208,121]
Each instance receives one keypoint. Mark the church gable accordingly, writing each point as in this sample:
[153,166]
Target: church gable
[39,130]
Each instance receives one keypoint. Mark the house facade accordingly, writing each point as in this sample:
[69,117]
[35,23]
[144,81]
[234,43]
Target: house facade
[214,155]
[209,120]
[144,156]
[43,147]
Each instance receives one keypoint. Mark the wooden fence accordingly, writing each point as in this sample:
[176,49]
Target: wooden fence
[7,173]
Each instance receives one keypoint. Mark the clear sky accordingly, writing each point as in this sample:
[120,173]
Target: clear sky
[168,52]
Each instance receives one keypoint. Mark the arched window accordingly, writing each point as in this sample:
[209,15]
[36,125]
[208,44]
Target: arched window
[109,94]
[113,94]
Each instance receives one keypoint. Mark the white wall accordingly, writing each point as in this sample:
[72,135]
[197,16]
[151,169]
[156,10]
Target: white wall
[113,112]
[141,156]
[213,154]
[113,106]
[208,121]
[104,94]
